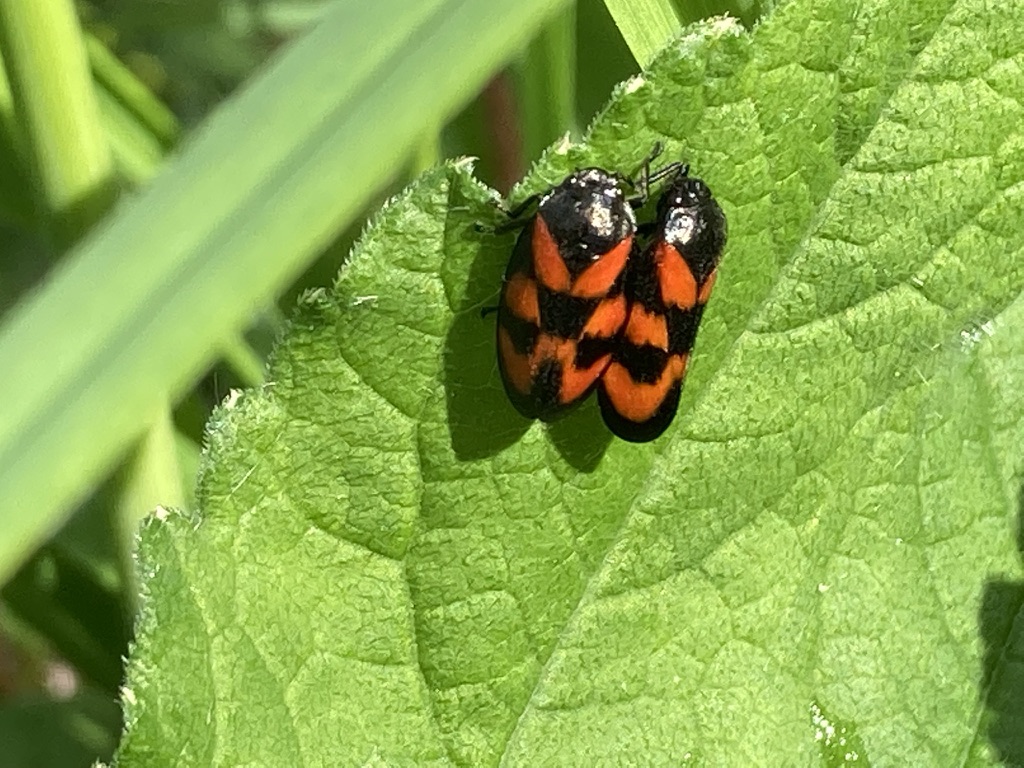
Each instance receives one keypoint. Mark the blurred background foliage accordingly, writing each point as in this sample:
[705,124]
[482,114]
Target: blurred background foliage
[160,67]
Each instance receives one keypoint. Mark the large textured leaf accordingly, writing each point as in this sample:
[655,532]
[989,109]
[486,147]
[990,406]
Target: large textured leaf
[817,561]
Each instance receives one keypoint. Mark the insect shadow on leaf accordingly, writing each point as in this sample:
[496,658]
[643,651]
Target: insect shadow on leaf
[1002,631]
[481,420]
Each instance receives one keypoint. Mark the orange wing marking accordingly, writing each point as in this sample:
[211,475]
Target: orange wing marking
[597,279]
[678,285]
[547,261]
[640,402]
[576,381]
[521,298]
[645,327]
[607,319]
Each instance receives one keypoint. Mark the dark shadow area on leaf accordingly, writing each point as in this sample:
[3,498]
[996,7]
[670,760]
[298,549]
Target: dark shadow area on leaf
[581,437]
[1001,621]
[481,420]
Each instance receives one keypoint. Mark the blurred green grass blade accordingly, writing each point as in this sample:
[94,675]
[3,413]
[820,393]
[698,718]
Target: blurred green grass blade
[152,477]
[547,85]
[646,25]
[603,60]
[53,98]
[131,93]
[427,153]
[8,123]
[284,17]
[244,361]
[15,206]
[6,102]
[144,305]
[188,464]
[138,153]
[139,127]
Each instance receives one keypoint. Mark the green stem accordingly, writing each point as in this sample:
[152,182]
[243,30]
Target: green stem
[54,101]
[244,361]
[136,98]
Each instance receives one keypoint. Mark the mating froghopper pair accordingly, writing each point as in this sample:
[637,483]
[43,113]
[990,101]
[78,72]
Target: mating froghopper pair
[593,300]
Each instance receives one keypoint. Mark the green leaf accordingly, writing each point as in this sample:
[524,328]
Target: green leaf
[140,308]
[389,566]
